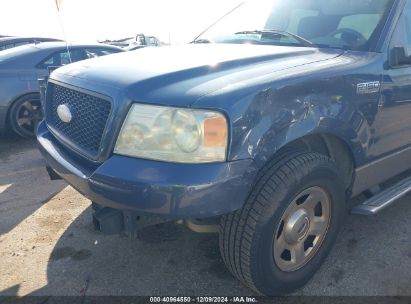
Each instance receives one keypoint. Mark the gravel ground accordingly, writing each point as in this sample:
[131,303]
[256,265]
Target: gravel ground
[48,247]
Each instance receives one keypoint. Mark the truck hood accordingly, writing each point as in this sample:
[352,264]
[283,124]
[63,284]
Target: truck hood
[180,75]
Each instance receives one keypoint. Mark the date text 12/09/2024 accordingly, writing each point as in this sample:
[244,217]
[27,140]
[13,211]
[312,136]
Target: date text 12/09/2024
[203,300]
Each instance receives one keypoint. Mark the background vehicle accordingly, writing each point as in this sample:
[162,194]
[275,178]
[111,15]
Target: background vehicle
[20,69]
[11,42]
[268,122]
[134,43]
[123,43]
[143,41]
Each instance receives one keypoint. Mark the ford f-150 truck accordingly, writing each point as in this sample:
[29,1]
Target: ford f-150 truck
[266,125]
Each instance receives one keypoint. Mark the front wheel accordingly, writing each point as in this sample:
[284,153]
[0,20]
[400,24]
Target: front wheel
[283,234]
[25,115]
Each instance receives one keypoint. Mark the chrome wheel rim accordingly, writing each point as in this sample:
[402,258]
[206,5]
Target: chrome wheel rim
[28,116]
[302,229]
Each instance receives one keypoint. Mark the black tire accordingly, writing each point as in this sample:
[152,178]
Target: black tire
[247,236]
[25,114]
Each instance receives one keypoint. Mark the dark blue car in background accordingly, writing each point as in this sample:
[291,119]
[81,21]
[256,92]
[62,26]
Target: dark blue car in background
[20,69]
[263,128]
[12,42]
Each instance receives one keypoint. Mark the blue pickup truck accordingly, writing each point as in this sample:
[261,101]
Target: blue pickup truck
[262,129]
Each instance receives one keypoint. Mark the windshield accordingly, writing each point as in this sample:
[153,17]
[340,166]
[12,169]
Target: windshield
[345,24]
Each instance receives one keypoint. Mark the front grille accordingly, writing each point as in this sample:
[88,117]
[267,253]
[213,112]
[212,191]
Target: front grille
[89,118]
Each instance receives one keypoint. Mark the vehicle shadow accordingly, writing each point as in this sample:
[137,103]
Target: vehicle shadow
[24,183]
[169,259]
[11,143]
[166,259]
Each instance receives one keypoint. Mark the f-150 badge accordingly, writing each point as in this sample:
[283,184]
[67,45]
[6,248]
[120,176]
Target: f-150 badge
[368,87]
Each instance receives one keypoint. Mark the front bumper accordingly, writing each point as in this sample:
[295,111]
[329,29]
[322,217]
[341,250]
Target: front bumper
[166,190]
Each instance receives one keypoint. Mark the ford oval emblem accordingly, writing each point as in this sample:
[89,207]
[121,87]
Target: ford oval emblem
[64,113]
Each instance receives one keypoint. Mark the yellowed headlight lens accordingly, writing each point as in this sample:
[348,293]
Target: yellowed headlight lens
[170,134]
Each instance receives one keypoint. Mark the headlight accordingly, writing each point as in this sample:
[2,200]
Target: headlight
[173,134]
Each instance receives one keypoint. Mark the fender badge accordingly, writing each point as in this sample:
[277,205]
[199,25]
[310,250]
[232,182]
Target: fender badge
[368,87]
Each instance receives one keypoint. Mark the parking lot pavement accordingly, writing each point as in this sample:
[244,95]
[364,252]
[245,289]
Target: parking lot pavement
[48,246]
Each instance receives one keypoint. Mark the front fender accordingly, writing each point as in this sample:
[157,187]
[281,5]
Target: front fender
[13,85]
[268,126]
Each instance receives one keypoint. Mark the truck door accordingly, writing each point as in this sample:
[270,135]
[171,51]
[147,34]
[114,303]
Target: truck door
[393,127]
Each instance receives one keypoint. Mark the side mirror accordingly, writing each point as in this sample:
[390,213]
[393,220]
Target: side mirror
[400,57]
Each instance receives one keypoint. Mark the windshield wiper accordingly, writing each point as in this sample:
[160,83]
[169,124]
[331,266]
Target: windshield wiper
[301,40]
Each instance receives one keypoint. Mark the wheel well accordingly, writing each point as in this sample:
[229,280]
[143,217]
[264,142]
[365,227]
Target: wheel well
[331,146]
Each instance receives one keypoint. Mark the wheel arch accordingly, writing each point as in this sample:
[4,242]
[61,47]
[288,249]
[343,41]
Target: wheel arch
[330,145]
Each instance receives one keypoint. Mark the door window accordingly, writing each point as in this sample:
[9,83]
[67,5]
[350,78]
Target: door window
[62,58]
[402,34]
[97,52]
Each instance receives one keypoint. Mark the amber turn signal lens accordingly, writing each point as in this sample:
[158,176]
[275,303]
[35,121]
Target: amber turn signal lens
[215,132]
